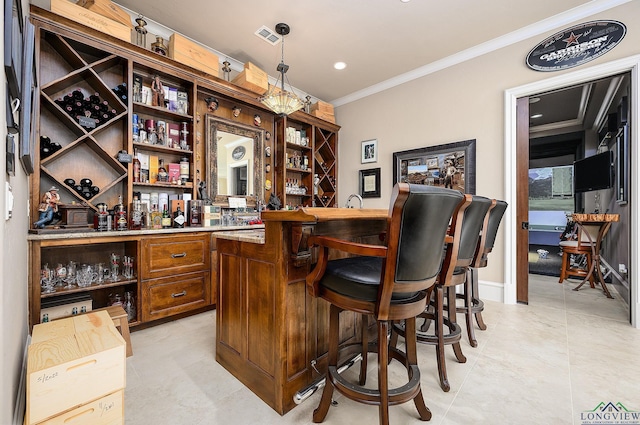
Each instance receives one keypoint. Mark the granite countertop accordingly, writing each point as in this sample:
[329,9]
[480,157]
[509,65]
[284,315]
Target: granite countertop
[252,236]
[93,234]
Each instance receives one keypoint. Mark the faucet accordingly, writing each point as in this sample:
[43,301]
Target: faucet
[353,195]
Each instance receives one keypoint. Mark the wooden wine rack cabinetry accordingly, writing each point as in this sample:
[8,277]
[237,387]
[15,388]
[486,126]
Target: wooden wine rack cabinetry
[89,151]
[307,152]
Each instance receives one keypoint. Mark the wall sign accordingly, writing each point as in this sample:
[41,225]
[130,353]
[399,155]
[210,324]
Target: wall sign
[238,153]
[576,45]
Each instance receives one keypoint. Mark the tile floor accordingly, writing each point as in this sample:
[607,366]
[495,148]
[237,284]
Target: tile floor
[544,363]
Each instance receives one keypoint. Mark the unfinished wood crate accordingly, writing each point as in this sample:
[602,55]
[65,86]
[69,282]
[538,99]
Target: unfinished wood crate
[194,55]
[107,410]
[72,362]
[91,19]
[253,79]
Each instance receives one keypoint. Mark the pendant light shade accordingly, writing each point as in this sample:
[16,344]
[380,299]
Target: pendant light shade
[278,99]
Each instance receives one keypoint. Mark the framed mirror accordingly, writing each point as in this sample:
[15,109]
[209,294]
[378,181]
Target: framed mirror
[234,160]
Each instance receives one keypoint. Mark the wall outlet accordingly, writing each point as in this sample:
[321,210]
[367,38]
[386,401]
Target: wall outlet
[622,269]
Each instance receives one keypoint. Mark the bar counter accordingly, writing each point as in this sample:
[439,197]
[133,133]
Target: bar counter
[269,330]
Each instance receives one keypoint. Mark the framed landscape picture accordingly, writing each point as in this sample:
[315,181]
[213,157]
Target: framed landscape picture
[452,165]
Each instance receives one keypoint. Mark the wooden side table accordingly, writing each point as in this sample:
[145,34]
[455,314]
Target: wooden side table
[604,222]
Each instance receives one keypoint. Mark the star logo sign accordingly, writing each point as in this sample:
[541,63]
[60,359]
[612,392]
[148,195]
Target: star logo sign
[573,39]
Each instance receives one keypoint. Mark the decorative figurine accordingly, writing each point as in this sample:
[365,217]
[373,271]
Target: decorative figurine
[202,191]
[212,104]
[159,46]
[226,68]
[257,120]
[158,91]
[267,135]
[267,151]
[274,202]
[47,207]
[307,104]
[236,111]
[141,32]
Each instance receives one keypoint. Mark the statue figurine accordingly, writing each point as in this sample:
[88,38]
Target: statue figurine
[157,91]
[47,207]
[202,191]
[274,202]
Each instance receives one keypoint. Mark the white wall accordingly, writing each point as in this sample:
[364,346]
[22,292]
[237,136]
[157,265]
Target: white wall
[13,267]
[462,102]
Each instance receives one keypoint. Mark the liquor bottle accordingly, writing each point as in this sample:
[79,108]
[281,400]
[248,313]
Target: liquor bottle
[166,218]
[136,218]
[120,215]
[136,167]
[178,218]
[156,217]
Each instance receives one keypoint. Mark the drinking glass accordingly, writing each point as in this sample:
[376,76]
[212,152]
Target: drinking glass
[114,267]
[127,267]
[47,279]
[71,275]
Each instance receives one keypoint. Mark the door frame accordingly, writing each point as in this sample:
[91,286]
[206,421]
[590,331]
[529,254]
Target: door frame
[630,64]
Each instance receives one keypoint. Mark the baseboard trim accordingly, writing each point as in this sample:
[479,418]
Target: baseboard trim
[21,397]
[491,291]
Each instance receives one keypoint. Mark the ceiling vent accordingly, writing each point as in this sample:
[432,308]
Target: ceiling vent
[268,35]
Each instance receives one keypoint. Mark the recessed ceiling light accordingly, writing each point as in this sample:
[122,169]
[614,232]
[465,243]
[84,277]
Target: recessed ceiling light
[536,116]
[405,1]
[339,65]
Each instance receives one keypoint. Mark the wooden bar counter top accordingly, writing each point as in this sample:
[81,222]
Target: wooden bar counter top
[269,330]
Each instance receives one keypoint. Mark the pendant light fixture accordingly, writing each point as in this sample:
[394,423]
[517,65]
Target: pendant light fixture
[277,99]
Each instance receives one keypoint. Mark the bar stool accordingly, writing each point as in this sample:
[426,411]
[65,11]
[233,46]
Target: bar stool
[473,305]
[389,283]
[465,230]
[583,246]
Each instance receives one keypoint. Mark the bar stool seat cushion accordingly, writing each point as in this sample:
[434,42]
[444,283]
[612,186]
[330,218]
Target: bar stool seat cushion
[358,278]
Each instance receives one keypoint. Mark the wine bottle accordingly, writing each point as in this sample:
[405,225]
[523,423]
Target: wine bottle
[136,167]
[166,218]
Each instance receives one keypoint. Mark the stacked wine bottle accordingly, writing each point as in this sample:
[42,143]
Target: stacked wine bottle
[86,189]
[90,111]
[121,91]
[47,147]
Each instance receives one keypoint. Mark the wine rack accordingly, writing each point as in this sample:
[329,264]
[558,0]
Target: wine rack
[83,117]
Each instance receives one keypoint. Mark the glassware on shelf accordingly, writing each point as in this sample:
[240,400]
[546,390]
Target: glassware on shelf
[129,305]
[71,275]
[115,299]
[115,267]
[102,273]
[85,276]
[47,279]
[127,267]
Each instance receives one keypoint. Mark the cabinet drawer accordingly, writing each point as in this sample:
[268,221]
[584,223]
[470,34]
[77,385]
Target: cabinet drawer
[173,295]
[169,256]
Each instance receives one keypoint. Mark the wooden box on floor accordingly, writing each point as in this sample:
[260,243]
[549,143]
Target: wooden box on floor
[72,362]
[107,410]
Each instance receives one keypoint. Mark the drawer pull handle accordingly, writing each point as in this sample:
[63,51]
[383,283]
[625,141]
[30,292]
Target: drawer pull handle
[184,254]
[179,294]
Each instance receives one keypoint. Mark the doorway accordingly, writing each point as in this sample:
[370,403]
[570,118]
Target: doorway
[516,103]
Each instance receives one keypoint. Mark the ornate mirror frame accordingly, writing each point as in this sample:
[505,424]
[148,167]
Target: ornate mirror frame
[215,124]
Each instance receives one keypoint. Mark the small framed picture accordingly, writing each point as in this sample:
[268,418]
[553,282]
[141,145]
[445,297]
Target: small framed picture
[369,151]
[370,183]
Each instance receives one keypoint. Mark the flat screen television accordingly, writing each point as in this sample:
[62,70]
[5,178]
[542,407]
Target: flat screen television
[593,173]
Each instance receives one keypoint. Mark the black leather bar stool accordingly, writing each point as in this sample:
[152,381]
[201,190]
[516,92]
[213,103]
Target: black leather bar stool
[388,283]
[465,230]
[473,305]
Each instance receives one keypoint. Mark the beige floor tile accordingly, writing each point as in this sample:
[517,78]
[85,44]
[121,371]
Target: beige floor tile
[542,363]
